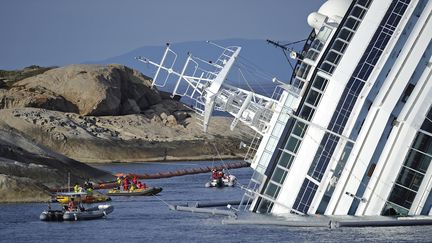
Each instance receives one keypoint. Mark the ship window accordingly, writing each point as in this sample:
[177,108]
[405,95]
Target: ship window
[271,144]
[393,209]
[307,112]
[265,206]
[285,160]
[292,144]
[319,155]
[323,156]
[278,129]
[305,196]
[339,46]
[317,45]
[348,103]
[417,161]
[423,143]
[358,12]
[402,196]
[333,57]
[382,40]
[328,67]
[346,34]
[394,18]
[364,3]
[298,83]
[319,83]
[284,115]
[299,129]
[352,23]
[361,125]
[410,179]
[313,98]
[279,175]
[374,55]
[427,124]
[357,86]
[272,190]
[323,34]
[371,170]
[303,71]
[399,8]
[360,6]
[312,54]
[365,71]
[407,92]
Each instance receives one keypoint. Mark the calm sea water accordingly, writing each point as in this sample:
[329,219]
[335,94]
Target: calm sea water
[139,219]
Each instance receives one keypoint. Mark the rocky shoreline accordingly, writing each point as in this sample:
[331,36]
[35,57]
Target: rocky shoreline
[97,114]
[128,138]
[27,169]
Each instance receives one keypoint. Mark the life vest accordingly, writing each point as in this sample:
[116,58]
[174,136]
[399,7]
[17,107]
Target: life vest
[132,188]
[72,205]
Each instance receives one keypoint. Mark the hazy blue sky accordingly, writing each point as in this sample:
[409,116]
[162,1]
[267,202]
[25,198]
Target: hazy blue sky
[58,32]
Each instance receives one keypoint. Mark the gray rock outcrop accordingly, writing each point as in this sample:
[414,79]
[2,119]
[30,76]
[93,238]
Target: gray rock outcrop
[112,114]
[127,138]
[95,90]
[96,113]
[27,169]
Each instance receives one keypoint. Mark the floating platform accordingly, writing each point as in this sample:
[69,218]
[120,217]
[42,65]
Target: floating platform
[330,222]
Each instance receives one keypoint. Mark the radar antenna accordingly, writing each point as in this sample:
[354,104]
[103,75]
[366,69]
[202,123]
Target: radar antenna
[287,51]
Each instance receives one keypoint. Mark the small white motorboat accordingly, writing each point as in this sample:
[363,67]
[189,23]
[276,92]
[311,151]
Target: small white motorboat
[227,180]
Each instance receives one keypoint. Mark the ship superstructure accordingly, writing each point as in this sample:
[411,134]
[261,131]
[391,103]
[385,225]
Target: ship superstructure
[359,142]
[351,134]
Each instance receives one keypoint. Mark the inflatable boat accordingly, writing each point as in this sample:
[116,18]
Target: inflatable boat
[137,192]
[52,215]
[229,180]
[90,213]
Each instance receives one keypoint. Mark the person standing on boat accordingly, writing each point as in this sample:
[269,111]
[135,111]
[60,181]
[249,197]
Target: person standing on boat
[88,184]
[72,205]
[125,184]
[141,185]
[89,191]
[132,188]
[134,180]
[76,188]
[214,174]
[119,182]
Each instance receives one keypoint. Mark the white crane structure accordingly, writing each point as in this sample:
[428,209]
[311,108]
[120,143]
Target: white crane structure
[203,82]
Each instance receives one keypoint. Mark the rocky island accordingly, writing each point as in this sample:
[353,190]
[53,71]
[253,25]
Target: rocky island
[51,118]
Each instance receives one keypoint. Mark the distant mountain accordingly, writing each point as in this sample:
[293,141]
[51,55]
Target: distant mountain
[259,61]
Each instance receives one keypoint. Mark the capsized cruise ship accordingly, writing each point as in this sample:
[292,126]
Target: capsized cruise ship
[351,132]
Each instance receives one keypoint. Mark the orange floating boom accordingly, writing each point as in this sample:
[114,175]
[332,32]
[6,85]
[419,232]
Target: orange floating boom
[169,174]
